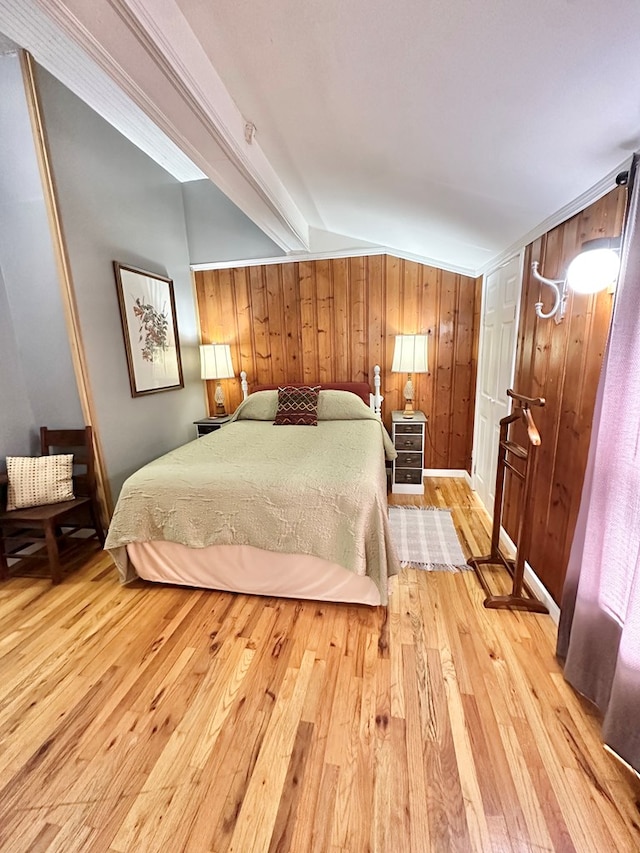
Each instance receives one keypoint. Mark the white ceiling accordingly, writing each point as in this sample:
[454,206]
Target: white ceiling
[448,130]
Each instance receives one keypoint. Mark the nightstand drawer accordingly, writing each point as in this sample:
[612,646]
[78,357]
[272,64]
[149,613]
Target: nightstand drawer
[206,425]
[408,475]
[408,442]
[409,460]
[414,428]
[207,428]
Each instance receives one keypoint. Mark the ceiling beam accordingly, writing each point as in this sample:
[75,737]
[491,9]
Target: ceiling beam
[149,50]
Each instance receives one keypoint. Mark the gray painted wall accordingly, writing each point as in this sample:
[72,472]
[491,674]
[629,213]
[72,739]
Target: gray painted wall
[37,381]
[117,204]
[217,230]
[17,422]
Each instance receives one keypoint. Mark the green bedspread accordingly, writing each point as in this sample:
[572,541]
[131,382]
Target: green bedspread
[292,489]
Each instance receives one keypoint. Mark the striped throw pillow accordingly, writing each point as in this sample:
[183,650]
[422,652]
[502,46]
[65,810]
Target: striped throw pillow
[39,480]
[297,406]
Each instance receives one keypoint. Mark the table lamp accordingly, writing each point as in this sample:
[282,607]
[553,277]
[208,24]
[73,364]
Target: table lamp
[410,356]
[215,363]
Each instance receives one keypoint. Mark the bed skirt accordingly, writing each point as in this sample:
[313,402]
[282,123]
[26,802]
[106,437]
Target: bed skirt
[254,571]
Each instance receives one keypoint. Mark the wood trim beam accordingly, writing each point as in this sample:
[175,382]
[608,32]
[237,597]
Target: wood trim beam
[357,252]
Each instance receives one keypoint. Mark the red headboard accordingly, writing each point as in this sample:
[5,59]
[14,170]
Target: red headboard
[361,389]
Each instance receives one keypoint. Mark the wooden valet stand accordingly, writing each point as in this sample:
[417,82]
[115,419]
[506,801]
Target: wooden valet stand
[521,597]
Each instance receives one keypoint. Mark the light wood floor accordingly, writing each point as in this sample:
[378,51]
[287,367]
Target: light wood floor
[154,718]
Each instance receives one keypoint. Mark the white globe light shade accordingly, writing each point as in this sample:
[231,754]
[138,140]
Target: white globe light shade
[594,270]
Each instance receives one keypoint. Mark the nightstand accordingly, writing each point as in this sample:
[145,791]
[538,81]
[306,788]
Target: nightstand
[206,425]
[408,436]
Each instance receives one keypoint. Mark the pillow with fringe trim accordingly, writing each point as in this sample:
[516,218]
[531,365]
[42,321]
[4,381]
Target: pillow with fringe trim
[297,406]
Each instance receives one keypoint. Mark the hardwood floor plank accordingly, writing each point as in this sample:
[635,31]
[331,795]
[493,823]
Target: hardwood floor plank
[369,691]
[20,831]
[231,765]
[281,837]
[538,833]
[444,804]
[395,652]
[152,717]
[547,800]
[257,815]
[339,732]
[476,818]
[400,828]
[322,819]
[420,833]
[188,747]
[315,792]
[352,811]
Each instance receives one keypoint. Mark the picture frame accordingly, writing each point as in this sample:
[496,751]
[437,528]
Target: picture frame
[150,330]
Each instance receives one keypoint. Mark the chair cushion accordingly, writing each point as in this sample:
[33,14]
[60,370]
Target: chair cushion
[39,480]
[297,406]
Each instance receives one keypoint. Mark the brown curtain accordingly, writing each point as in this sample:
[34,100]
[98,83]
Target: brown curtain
[599,632]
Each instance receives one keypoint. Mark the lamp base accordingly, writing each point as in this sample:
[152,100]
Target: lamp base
[219,398]
[408,399]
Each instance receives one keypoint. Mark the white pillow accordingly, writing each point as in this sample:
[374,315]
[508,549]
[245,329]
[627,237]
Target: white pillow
[39,480]
[332,406]
[259,406]
[336,405]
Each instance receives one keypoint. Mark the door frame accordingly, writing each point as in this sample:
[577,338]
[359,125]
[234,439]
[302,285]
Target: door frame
[481,353]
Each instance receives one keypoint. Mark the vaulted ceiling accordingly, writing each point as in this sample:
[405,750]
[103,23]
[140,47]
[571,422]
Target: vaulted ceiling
[446,130]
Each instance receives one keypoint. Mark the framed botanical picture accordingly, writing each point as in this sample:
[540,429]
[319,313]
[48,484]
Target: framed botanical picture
[148,314]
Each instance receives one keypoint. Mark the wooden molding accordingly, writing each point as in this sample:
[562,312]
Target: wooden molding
[357,252]
[78,356]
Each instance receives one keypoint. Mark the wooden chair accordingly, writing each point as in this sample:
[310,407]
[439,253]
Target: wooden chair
[52,525]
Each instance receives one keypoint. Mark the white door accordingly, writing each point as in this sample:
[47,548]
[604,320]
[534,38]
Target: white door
[495,371]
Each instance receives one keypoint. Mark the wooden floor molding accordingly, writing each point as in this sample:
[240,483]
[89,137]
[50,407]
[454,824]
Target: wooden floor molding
[150,718]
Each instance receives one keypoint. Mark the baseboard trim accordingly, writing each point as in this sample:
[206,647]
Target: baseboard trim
[447,472]
[537,587]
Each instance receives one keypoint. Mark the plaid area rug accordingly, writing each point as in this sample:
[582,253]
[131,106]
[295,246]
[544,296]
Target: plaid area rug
[425,538]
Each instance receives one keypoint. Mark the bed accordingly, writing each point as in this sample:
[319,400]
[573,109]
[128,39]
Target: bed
[288,511]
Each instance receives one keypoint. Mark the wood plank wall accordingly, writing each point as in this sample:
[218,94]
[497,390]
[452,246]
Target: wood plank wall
[333,320]
[561,362]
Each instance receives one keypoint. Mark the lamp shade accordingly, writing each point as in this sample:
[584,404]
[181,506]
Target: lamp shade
[410,354]
[593,270]
[215,361]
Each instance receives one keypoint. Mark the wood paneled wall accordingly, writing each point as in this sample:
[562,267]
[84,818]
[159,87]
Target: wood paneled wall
[561,362]
[333,320]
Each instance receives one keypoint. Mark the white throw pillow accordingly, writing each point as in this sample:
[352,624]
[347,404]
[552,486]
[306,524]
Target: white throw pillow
[39,480]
